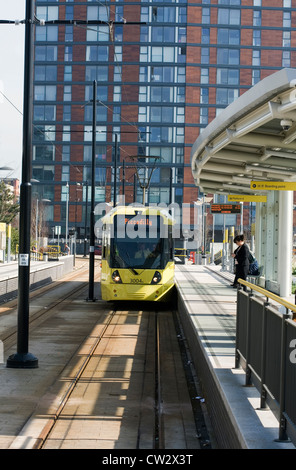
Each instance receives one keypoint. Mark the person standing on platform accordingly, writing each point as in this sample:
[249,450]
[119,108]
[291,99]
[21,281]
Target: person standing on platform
[241,259]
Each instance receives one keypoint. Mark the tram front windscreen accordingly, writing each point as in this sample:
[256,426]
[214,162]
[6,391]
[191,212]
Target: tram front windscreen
[139,242]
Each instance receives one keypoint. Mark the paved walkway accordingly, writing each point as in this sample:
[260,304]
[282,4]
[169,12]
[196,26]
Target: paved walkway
[210,303]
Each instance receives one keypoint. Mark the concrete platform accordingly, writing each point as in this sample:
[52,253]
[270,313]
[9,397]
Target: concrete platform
[207,305]
[41,273]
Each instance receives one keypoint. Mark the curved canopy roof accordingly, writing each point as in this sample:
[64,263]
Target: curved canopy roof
[254,138]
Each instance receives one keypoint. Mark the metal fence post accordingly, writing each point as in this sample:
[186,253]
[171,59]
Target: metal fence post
[282,420]
[263,357]
[248,370]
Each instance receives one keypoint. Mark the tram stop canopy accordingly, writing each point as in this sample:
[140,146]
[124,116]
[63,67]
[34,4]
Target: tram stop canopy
[254,138]
[247,147]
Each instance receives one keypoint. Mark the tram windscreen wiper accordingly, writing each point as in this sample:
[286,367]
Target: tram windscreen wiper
[125,265]
[130,267]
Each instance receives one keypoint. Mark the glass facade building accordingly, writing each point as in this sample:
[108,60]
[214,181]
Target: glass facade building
[164,70]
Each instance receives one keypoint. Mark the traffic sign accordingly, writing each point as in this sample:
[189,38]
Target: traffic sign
[273,185]
[246,198]
[225,208]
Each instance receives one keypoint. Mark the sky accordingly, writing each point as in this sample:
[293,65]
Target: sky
[11,85]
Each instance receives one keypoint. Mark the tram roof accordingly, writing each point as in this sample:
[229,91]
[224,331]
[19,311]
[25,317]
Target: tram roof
[137,209]
[250,140]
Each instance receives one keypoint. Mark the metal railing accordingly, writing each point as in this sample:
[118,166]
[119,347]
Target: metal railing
[266,350]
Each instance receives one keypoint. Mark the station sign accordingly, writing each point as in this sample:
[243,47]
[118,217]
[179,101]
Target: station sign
[225,208]
[273,185]
[246,198]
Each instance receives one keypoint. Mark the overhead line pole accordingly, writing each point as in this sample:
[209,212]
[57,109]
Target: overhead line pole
[22,358]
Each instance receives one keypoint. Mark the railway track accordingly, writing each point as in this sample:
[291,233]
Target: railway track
[44,302]
[127,383]
[129,392]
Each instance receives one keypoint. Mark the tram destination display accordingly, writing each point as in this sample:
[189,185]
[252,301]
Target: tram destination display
[225,208]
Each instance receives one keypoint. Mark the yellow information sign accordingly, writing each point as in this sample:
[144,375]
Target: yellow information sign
[246,198]
[274,185]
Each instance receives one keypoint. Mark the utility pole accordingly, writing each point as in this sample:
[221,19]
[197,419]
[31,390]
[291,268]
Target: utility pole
[23,358]
[92,204]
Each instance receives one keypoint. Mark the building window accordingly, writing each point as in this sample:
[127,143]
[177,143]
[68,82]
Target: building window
[287,19]
[98,13]
[46,53]
[228,36]
[228,16]
[228,56]
[117,73]
[287,3]
[68,73]
[97,53]
[205,55]
[68,56]
[144,14]
[46,33]
[102,93]
[180,114]
[225,96]
[206,15]
[67,113]
[162,54]
[68,33]
[203,116]
[286,60]
[204,76]
[204,96]
[65,173]
[142,116]
[99,33]
[44,113]
[66,137]
[45,73]
[286,38]
[255,76]
[205,35]
[117,93]
[143,74]
[47,13]
[43,133]
[256,18]
[43,152]
[227,76]
[69,15]
[66,153]
[163,14]
[256,56]
[96,72]
[257,37]
[67,93]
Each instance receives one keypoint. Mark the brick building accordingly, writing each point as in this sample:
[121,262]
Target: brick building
[159,82]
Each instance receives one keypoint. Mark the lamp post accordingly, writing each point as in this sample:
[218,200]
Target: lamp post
[92,210]
[23,358]
[85,218]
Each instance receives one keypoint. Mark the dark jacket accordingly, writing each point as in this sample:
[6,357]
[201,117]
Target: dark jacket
[242,255]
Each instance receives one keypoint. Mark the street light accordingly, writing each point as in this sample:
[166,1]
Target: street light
[6,168]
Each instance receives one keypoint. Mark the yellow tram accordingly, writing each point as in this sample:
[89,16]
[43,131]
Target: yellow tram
[137,254]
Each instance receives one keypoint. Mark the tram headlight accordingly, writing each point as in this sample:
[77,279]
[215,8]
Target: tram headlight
[116,277]
[156,278]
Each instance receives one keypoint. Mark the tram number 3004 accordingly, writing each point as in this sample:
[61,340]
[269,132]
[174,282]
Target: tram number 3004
[136,281]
